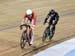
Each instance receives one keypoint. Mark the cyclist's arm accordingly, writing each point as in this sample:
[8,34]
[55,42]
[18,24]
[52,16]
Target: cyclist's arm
[47,17]
[56,19]
[34,21]
[34,18]
[23,21]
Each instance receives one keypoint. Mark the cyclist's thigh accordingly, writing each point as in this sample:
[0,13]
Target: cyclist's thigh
[50,22]
[28,29]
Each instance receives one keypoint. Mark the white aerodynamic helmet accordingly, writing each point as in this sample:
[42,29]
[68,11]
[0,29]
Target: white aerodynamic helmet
[28,11]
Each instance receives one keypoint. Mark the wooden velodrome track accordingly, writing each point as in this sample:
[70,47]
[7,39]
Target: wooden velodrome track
[11,13]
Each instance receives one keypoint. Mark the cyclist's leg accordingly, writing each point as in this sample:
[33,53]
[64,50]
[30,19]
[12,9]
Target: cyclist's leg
[52,31]
[50,23]
[28,37]
[32,34]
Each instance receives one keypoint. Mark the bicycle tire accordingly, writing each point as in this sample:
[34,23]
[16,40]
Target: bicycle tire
[45,34]
[23,40]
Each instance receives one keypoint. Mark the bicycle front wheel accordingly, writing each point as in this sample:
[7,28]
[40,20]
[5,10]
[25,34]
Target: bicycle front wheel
[23,40]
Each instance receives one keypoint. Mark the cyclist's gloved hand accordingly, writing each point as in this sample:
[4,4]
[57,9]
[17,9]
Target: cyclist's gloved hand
[33,26]
[55,23]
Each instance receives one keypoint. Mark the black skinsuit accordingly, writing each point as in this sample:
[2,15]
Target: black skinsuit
[52,16]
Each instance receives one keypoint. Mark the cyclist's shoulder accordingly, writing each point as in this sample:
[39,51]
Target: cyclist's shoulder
[56,12]
[33,13]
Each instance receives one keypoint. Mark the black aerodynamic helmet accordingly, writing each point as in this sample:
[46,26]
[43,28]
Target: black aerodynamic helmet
[52,11]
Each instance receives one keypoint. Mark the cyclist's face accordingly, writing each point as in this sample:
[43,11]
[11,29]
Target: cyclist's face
[52,12]
[30,15]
